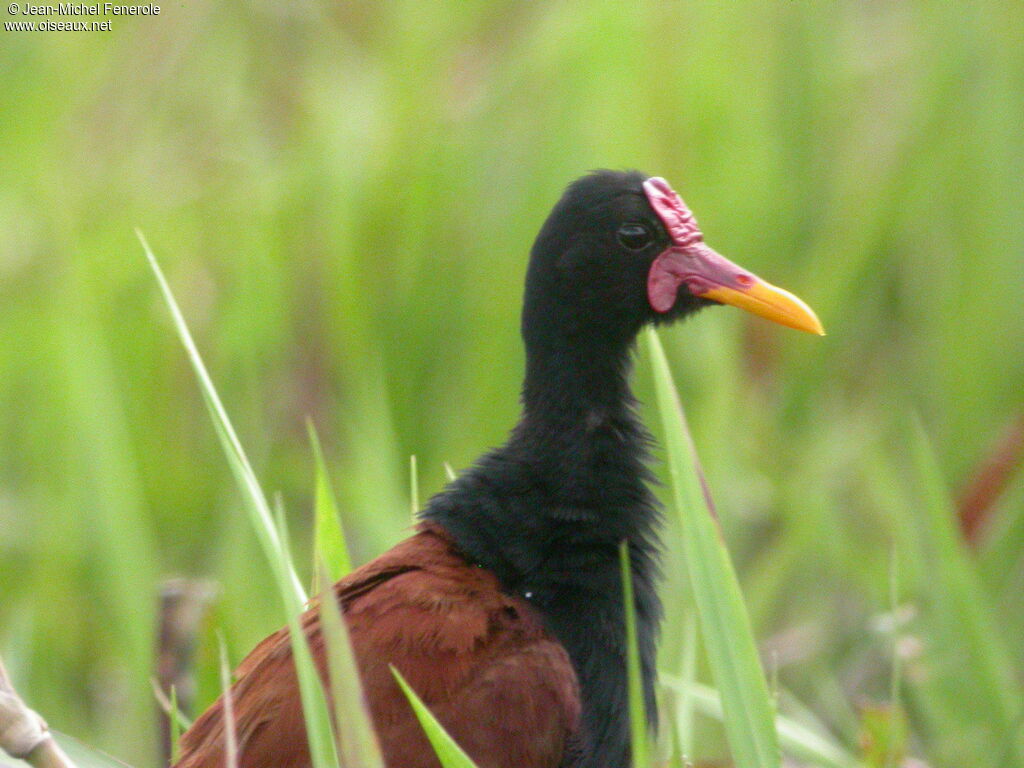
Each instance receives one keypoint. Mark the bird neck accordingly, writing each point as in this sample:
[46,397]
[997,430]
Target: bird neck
[580,439]
[546,513]
[568,388]
[573,470]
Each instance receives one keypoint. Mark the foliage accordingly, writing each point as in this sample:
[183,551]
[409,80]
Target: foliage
[749,714]
[343,198]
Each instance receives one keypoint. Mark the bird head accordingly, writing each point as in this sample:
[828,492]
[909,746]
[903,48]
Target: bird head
[621,249]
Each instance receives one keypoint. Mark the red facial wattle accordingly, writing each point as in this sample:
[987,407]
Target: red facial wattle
[688,260]
[697,266]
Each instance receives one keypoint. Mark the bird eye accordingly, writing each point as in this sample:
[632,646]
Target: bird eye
[634,236]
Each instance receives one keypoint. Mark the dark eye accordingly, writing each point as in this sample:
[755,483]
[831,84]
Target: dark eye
[634,236]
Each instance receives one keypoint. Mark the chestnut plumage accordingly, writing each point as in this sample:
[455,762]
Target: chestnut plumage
[462,643]
[504,609]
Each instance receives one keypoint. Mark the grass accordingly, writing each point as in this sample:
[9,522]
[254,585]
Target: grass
[448,751]
[732,653]
[345,202]
[328,534]
[357,742]
[272,533]
[338,727]
[637,715]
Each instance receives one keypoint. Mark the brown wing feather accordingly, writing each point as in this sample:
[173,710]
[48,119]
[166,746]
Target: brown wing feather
[479,658]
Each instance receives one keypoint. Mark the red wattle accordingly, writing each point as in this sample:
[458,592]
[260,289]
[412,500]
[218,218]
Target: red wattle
[663,281]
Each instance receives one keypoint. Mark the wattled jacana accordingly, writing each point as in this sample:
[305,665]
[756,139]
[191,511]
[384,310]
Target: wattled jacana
[504,610]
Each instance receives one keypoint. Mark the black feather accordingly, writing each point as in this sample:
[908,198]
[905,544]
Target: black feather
[546,511]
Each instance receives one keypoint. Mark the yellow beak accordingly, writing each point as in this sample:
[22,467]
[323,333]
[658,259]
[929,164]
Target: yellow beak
[772,303]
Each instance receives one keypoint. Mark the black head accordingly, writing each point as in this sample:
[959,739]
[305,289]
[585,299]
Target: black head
[621,249]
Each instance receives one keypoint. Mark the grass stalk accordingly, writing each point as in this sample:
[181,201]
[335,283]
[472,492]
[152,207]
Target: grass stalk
[269,533]
[448,751]
[328,531]
[748,709]
[637,716]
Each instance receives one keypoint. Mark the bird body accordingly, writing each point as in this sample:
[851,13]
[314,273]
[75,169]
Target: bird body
[461,642]
[504,611]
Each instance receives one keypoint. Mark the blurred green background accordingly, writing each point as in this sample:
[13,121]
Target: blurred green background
[343,197]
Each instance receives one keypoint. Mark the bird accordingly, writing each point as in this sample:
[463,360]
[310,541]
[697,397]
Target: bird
[504,608]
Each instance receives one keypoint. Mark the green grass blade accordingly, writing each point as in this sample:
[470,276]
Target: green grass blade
[263,523]
[414,487]
[966,626]
[895,749]
[177,721]
[637,716]
[169,704]
[82,755]
[281,523]
[357,740]
[328,532]
[448,752]
[230,734]
[314,705]
[749,713]
[797,740]
[269,532]
[684,703]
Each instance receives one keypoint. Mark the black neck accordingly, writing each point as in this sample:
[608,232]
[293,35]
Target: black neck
[546,513]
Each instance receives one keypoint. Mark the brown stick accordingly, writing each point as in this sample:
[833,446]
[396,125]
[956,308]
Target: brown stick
[183,603]
[23,733]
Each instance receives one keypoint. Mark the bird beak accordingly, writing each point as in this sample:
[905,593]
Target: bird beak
[709,275]
[770,302]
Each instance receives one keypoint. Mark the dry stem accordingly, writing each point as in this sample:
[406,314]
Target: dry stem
[23,733]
